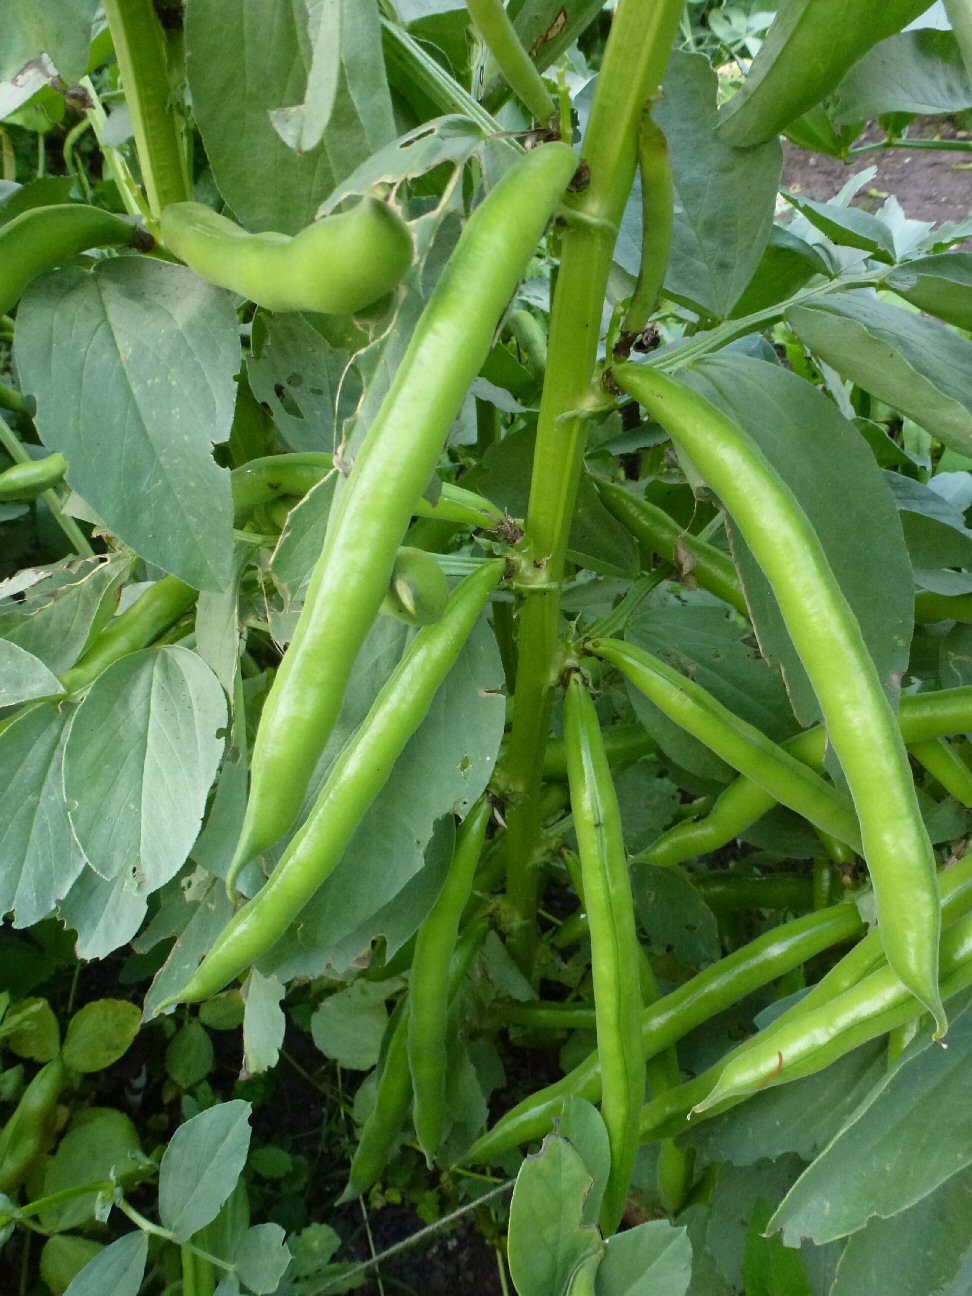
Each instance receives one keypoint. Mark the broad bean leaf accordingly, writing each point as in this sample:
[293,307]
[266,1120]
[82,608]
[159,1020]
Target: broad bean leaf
[581,1125]
[263,1022]
[139,444]
[935,533]
[30,1030]
[41,857]
[137,804]
[201,1166]
[189,1054]
[870,1168]
[99,1034]
[830,470]
[299,367]
[100,1141]
[262,1258]
[24,677]
[724,198]
[207,911]
[769,1268]
[914,364]
[787,265]
[912,72]
[301,125]
[60,614]
[940,285]
[673,916]
[245,61]
[737,1191]
[105,915]
[61,29]
[118,1269]
[349,1026]
[806,53]
[548,1239]
[647,803]
[846,226]
[300,544]
[646,1260]
[927,1249]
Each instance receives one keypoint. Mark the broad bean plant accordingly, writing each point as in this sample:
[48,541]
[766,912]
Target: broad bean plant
[484,636]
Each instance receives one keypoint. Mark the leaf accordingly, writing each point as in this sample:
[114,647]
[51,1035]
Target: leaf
[139,444]
[101,1142]
[927,1249]
[548,1240]
[917,72]
[673,916]
[60,614]
[59,28]
[806,53]
[581,1125]
[829,468]
[300,369]
[846,226]
[242,66]
[736,1192]
[189,1055]
[769,1268]
[138,804]
[40,857]
[724,198]
[23,676]
[106,915]
[648,804]
[940,285]
[300,544]
[870,1168]
[99,1034]
[263,1022]
[912,363]
[262,1258]
[118,1269]
[647,1260]
[207,912]
[787,265]
[302,125]
[201,1166]
[450,139]
[350,1025]
[30,1030]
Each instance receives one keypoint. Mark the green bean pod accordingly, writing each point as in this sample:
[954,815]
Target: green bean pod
[739,743]
[657,221]
[137,627]
[944,763]
[418,590]
[516,67]
[25,481]
[860,723]
[336,266]
[922,717]
[672,1017]
[710,567]
[429,983]
[380,1130]
[615,963]
[45,237]
[390,474]
[29,1131]
[355,779]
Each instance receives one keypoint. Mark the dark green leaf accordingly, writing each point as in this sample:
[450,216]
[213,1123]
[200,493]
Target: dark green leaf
[846,226]
[940,285]
[646,1260]
[912,72]
[548,1240]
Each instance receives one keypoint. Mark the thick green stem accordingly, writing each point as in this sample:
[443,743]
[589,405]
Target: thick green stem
[634,64]
[140,49]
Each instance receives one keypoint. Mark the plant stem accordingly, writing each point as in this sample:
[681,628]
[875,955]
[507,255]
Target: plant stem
[140,49]
[12,400]
[50,497]
[933,145]
[634,64]
[116,165]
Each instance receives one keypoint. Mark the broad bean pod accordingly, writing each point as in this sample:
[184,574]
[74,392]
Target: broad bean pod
[739,743]
[860,722]
[45,237]
[615,963]
[355,779]
[922,717]
[392,469]
[29,1131]
[671,1018]
[428,993]
[336,266]
[25,481]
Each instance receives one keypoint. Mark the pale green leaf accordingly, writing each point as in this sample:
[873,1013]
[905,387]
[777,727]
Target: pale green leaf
[201,1166]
